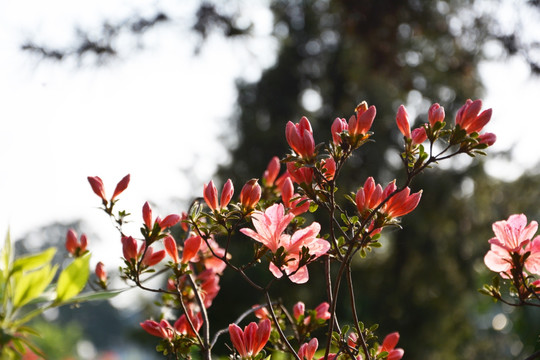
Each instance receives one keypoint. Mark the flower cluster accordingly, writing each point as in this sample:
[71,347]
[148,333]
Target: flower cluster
[515,255]
[271,216]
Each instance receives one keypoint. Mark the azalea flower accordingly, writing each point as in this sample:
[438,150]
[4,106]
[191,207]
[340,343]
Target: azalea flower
[513,236]
[270,225]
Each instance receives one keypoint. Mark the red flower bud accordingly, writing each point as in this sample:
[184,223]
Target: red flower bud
[191,247]
[435,114]
[402,120]
[487,138]
[101,273]
[169,221]
[171,248]
[97,186]
[338,126]
[73,246]
[129,248]
[147,215]
[211,195]
[272,171]
[298,310]
[300,175]
[121,186]
[419,135]
[287,191]
[152,257]
[226,194]
[300,138]
[162,329]
[361,121]
[328,168]
[250,194]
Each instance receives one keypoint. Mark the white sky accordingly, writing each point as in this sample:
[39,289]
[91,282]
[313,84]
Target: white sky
[152,113]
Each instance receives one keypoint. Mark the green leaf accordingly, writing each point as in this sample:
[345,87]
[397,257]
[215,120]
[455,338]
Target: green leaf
[73,279]
[6,256]
[94,296]
[29,286]
[31,262]
[313,207]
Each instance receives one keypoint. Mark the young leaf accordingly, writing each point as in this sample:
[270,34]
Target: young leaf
[31,262]
[73,279]
[29,286]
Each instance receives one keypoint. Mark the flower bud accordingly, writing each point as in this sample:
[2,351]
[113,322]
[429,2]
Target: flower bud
[322,311]
[129,248]
[328,168]
[97,186]
[226,194]
[308,350]
[298,310]
[419,135]
[300,175]
[287,191]
[300,138]
[73,246]
[171,248]
[435,114]
[250,194]
[191,247]
[147,215]
[361,121]
[402,120]
[121,186]
[169,221]
[211,195]
[152,257]
[487,138]
[272,171]
[101,273]
[338,126]
[162,329]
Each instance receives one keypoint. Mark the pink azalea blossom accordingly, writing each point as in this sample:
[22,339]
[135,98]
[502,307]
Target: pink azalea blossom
[514,233]
[270,225]
[513,236]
